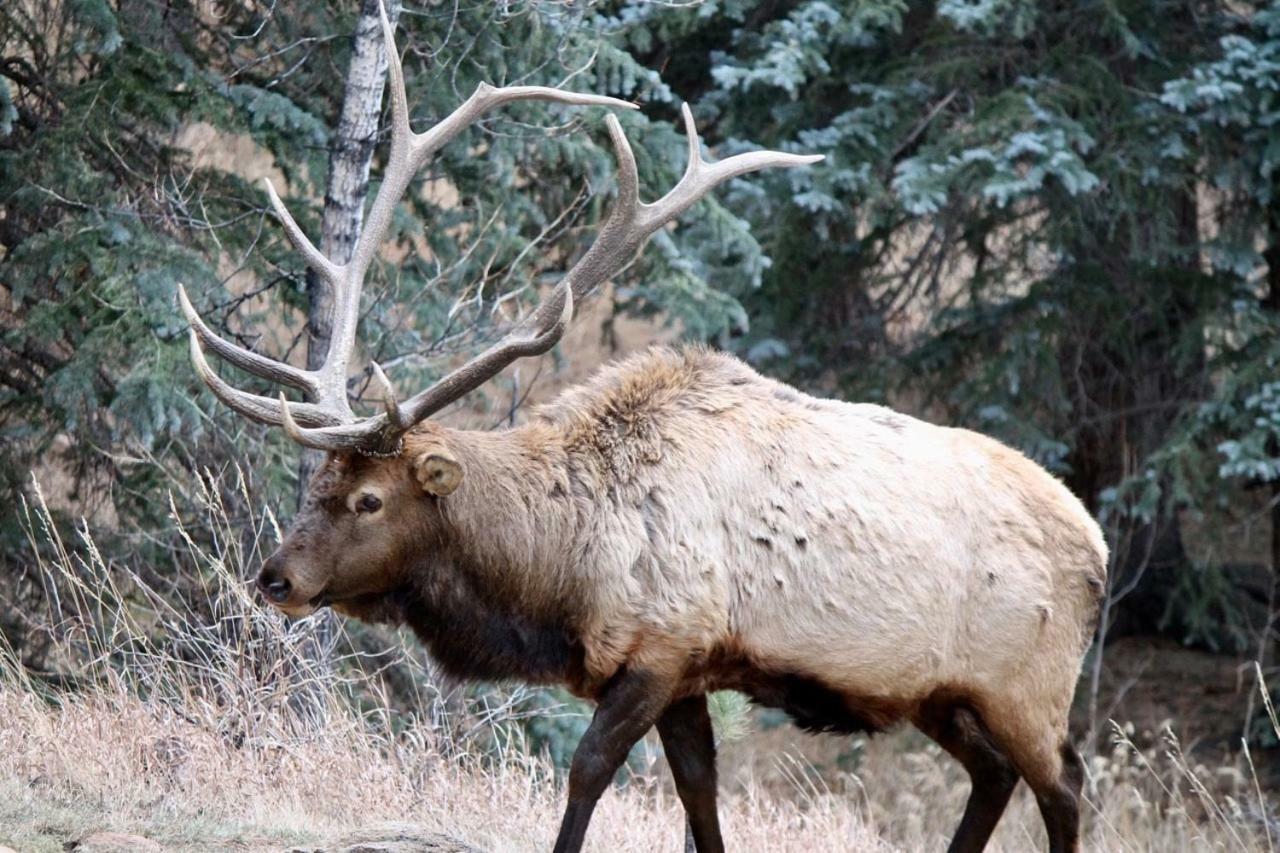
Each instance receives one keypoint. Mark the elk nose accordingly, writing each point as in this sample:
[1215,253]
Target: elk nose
[274,585]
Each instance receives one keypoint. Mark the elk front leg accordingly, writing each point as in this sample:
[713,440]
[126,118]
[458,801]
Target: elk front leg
[631,704]
[690,745]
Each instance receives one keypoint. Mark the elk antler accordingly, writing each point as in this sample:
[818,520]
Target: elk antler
[329,423]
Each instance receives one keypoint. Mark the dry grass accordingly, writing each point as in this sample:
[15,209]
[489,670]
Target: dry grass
[206,728]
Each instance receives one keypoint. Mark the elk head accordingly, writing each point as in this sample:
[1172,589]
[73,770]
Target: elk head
[359,528]
[359,515]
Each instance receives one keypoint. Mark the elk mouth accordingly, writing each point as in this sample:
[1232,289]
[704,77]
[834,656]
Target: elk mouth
[302,609]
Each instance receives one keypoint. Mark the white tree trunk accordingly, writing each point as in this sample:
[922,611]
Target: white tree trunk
[350,152]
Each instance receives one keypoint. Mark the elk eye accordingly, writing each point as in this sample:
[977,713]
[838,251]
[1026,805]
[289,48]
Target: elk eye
[368,503]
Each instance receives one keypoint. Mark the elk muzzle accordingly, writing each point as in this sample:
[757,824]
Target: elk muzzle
[284,590]
[273,582]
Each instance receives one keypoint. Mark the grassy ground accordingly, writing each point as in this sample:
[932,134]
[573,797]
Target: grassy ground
[207,728]
[114,761]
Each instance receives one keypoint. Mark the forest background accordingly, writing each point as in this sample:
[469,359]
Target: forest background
[1057,223]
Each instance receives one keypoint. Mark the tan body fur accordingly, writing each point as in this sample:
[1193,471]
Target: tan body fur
[680,508]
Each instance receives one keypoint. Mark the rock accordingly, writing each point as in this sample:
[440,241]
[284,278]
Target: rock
[393,838]
[113,842]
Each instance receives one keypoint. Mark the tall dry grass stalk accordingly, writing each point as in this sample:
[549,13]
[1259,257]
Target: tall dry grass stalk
[207,722]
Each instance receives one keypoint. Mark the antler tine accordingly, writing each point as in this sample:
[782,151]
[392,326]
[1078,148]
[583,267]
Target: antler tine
[351,436]
[313,256]
[247,360]
[389,400]
[256,408]
[263,410]
[701,176]
[632,222]
[400,130]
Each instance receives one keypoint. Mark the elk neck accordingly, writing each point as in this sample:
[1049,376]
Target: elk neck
[511,521]
[498,599]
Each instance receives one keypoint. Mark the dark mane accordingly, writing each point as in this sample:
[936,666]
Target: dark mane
[474,636]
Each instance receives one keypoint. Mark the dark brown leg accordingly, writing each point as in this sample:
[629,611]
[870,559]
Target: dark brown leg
[1060,804]
[629,707]
[960,731]
[690,745]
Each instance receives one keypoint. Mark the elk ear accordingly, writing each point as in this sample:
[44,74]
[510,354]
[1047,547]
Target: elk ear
[438,472]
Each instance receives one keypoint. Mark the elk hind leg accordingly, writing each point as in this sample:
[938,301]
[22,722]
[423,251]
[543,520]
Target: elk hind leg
[1059,801]
[1053,770]
[959,730]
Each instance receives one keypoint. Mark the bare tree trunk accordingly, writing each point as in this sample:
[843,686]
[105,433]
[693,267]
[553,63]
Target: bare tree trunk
[350,152]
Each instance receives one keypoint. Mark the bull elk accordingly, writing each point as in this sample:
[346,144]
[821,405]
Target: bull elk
[680,524]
